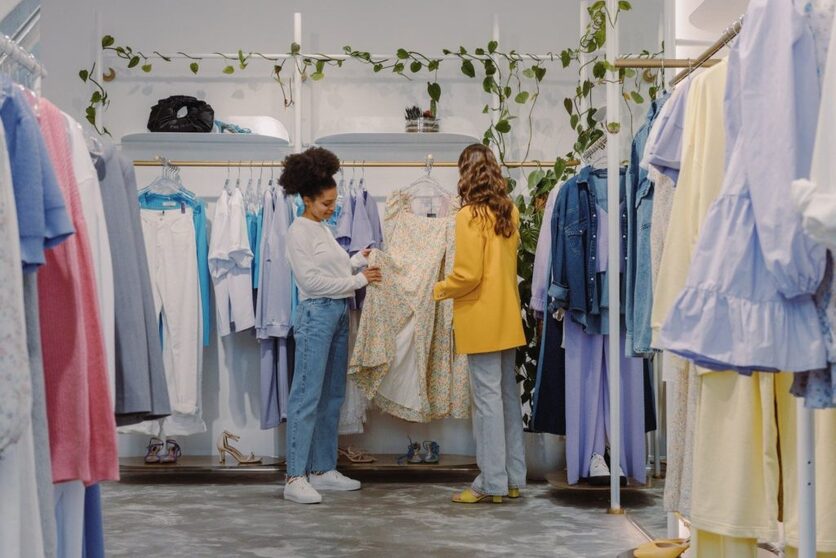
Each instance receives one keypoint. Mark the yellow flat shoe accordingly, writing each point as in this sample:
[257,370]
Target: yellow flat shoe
[468,496]
[666,548]
[513,493]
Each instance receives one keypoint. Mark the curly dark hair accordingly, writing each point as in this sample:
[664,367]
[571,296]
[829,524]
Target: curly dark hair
[482,187]
[309,173]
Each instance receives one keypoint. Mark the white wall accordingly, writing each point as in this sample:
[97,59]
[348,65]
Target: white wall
[69,40]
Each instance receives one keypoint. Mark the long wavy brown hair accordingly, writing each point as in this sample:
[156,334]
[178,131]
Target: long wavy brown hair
[482,187]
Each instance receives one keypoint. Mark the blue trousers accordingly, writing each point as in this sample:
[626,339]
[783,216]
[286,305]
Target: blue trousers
[320,330]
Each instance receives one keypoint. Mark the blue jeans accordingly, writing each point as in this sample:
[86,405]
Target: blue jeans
[497,422]
[320,330]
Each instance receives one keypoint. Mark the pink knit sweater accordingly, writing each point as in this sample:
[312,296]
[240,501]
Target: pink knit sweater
[82,427]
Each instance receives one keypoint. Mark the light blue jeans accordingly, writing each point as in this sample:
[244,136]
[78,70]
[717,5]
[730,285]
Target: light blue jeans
[320,330]
[497,422]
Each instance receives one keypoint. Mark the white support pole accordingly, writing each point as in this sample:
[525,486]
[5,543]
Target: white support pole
[494,101]
[584,57]
[297,88]
[806,481]
[614,256]
[97,18]
[669,37]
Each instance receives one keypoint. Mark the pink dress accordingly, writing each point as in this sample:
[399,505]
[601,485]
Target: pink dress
[82,426]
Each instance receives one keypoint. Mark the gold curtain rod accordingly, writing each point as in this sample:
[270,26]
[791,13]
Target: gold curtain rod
[662,62]
[346,164]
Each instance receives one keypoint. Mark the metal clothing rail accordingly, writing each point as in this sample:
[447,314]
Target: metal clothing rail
[345,164]
[633,62]
[730,33]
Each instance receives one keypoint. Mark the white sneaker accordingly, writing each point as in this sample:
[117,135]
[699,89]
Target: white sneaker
[334,480]
[599,472]
[301,492]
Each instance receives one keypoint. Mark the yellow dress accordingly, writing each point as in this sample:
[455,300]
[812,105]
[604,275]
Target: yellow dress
[483,286]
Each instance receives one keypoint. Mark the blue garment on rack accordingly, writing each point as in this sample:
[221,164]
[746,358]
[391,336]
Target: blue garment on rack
[93,541]
[254,226]
[160,202]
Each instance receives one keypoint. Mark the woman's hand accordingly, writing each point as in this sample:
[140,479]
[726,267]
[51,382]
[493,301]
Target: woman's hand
[366,252]
[373,274]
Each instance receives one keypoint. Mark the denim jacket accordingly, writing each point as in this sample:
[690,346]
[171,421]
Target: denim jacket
[576,286]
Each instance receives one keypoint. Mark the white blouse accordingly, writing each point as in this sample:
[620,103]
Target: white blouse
[321,266]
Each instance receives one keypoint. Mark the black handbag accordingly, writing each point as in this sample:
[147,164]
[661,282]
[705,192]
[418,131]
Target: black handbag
[199,117]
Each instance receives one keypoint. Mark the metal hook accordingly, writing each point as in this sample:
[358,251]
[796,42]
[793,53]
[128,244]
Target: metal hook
[364,171]
[429,164]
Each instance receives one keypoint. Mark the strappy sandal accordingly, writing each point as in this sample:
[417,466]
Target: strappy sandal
[356,455]
[431,453]
[173,452]
[413,454]
[224,447]
[155,445]
[662,548]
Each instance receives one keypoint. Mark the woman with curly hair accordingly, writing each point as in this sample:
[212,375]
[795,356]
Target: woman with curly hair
[488,322]
[325,278]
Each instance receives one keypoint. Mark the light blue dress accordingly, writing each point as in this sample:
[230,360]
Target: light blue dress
[748,302]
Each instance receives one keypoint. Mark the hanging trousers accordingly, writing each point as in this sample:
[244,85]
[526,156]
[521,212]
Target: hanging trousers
[588,409]
[172,262]
[497,422]
[69,518]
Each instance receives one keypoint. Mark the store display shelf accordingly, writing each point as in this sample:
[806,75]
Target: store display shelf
[558,481]
[208,469]
[444,146]
[212,147]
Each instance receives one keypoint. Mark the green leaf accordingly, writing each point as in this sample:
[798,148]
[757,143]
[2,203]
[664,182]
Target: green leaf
[488,84]
[462,50]
[565,58]
[434,90]
[96,97]
[559,168]
[573,121]
[539,72]
[468,69]
[586,88]
[568,105]
[146,68]
[316,76]
[479,52]
[638,99]
[134,61]
[194,67]
[490,68]
[486,109]
[613,127]
[529,73]
[377,67]
[600,36]
[507,92]
[415,66]
[295,48]
[624,5]
[492,46]
[629,72]
[503,126]
[398,68]
[107,41]
[433,65]
[229,70]
[521,97]
[599,70]
[84,74]
[320,66]
[403,54]
[446,51]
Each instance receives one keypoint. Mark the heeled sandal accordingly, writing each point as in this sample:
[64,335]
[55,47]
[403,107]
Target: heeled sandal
[224,447]
[155,445]
[413,454]
[173,452]
[431,453]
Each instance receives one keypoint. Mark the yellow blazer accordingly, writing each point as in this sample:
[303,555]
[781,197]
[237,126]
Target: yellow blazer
[483,286]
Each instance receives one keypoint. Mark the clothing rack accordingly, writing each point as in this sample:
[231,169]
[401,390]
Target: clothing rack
[805,448]
[344,164]
[10,50]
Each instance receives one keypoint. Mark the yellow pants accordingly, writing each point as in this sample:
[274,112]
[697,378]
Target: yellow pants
[745,461]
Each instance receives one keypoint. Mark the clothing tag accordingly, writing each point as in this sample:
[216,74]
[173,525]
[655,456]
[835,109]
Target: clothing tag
[431,215]
[170,203]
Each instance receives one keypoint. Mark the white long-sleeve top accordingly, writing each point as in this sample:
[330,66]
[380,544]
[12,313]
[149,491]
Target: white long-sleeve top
[321,266]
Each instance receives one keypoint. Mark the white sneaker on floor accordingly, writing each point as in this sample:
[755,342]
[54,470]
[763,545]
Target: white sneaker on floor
[599,472]
[301,492]
[334,480]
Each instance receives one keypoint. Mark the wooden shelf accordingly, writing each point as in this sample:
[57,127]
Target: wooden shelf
[210,147]
[393,146]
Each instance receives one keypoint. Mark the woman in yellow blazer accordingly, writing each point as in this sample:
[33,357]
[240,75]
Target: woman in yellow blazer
[488,323]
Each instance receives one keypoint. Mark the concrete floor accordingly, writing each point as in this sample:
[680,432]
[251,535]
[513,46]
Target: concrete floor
[383,519]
